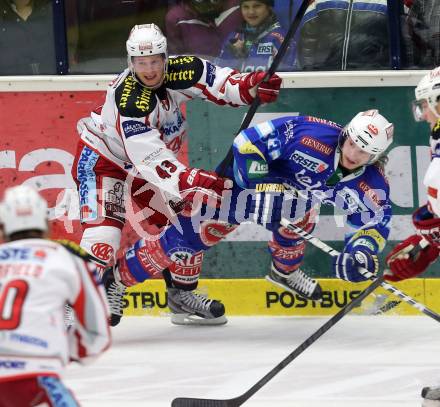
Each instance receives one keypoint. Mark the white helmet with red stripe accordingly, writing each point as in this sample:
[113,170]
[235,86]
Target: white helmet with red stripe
[23,208]
[428,90]
[371,132]
[146,40]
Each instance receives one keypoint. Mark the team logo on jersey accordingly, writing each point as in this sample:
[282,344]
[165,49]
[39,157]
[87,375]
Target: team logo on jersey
[133,128]
[257,168]
[102,251]
[316,145]
[264,48]
[210,74]
[307,161]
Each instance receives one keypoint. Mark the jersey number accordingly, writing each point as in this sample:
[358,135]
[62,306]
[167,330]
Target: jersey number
[12,298]
[165,169]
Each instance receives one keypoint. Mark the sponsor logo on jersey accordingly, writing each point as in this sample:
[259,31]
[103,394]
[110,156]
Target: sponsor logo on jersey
[264,48]
[288,132]
[102,251]
[143,100]
[133,128]
[370,193]
[181,60]
[307,161]
[172,127]
[15,254]
[114,198]
[210,74]
[188,262]
[211,232]
[257,168]
[350,198]
[180,75]
[316,145]
[129,85]
[29,340]
[87,178]
[322,121]
[12,364]
[269,188]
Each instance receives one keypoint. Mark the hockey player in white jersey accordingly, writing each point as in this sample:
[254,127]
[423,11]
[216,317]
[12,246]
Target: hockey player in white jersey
[426,219]
[37,278]
[128,147]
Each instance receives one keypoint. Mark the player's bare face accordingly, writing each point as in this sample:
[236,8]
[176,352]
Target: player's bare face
[353,156]
[150,70]
[254,12]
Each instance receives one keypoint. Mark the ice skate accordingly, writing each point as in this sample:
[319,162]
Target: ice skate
[297,282]
[115,293]
[431,397]
[190,308]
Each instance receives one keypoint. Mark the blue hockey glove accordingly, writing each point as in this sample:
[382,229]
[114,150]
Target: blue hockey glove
[346,265]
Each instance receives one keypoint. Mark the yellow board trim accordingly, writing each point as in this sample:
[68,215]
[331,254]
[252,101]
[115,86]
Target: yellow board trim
[246,297]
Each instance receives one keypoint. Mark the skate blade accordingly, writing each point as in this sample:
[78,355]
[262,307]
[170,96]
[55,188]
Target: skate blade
[268,278]
[191,319]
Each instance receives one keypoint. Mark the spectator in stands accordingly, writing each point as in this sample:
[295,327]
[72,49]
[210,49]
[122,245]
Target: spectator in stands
[254,45]
[351,35]
[27,44]
[421,34]
[199,27]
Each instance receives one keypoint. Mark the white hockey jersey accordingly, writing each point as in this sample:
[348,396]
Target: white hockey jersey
[37,278]
[145,128]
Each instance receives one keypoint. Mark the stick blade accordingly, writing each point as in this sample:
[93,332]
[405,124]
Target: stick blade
[192,402]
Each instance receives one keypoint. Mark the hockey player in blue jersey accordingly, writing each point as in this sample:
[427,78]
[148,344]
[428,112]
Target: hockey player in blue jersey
[285,167]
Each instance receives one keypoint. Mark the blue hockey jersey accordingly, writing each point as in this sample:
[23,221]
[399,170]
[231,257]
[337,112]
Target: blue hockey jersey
[300,154]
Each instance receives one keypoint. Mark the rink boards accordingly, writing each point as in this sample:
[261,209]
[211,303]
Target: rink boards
[246,297]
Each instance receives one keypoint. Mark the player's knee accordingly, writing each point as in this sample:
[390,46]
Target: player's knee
[102,242]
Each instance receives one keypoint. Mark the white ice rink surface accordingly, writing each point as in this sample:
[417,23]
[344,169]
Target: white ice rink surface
[363,361]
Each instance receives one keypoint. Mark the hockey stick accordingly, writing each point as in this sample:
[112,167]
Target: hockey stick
[238,401]
[272,69]
[332,252]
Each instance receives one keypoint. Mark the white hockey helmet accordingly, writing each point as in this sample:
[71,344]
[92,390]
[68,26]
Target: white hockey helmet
[371,132]
[427,90]
[23,208]
[145,40]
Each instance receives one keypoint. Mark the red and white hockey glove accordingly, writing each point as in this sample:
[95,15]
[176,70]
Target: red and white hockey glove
[403,266]
[205,186]
[427,225]
[252,84]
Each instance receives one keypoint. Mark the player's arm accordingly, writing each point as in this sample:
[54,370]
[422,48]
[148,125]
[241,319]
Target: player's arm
[228,86]
[254,149]
[362,246]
